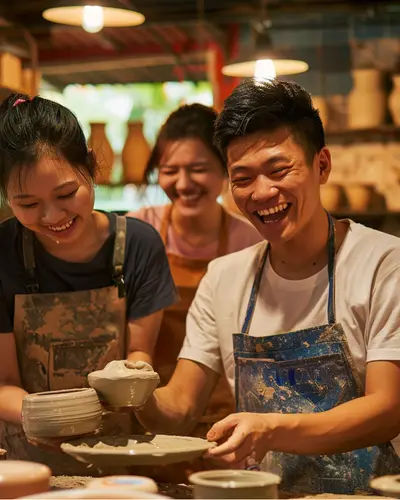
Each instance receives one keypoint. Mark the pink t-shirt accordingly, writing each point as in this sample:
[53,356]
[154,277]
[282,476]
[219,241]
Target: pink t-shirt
[241,234]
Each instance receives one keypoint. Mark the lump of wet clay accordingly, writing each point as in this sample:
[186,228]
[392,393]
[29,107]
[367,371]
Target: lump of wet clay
[125,383]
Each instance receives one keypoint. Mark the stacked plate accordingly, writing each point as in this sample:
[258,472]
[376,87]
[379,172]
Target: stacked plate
[69,412]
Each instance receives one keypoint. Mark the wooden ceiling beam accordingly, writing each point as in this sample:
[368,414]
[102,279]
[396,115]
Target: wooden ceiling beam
[119,63]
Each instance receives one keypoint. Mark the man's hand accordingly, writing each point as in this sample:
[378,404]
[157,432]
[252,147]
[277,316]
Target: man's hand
[243,438]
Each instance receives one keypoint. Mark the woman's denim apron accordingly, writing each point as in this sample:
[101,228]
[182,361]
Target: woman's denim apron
[306,371]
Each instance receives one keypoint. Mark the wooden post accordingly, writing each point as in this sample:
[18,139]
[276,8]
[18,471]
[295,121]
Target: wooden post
[222,86]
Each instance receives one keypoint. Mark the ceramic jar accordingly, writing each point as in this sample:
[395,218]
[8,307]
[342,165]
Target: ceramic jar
[394,100]
[103,151]
[331,196]
[359,196]
[367,100]
[135,154]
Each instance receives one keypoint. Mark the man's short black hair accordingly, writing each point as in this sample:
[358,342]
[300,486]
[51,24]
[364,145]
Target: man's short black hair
[267,105]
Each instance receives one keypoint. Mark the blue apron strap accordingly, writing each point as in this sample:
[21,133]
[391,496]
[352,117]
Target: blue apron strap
[254,292]
[331,270]
[331,274]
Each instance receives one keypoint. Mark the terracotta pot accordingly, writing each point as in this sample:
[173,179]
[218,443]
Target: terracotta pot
[135,154]
[367,99]
[320,103]
[394,100]
[331,196]
[359,196]
[104,153]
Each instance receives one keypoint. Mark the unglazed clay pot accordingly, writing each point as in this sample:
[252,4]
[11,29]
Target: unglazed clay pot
[367,99]
[235,484]
[331,196]
[124,383]
[135,154]
[18,478]
[359,196]
[388,486]
[103,151]
[68,412]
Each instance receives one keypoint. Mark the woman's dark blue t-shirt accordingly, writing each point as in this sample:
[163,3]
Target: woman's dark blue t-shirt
[148,281]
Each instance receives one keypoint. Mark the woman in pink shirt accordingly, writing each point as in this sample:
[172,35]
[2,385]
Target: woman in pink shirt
[195,228]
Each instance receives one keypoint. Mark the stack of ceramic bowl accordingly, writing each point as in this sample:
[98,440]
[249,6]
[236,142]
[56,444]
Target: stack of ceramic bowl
[69,412]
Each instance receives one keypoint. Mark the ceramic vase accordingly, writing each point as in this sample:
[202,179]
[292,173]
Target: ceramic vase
[320,103]
[103,151]
[394,100]
[367,100]
[331,197]
[135,154]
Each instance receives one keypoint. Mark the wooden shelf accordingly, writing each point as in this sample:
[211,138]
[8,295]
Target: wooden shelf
[386,133]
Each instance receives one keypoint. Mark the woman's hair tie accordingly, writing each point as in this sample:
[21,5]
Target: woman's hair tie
[19,101]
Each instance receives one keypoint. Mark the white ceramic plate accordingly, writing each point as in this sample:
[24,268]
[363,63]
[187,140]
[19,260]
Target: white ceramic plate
[94,493]
[136,449]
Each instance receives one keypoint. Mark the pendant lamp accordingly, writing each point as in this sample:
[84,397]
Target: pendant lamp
[262,61]
[93,15]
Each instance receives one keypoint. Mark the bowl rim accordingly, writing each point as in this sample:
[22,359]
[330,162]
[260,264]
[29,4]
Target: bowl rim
[255,478]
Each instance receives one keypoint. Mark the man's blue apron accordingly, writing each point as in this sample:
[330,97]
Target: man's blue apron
[306,371]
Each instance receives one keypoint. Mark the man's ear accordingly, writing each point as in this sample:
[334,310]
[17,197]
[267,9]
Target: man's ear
[324,164]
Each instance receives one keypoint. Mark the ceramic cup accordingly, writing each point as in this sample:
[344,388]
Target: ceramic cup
[388,486]
[235,484]
[18,478]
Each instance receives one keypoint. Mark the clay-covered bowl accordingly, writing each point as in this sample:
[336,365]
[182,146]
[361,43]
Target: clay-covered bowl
[234,484]
[124,383]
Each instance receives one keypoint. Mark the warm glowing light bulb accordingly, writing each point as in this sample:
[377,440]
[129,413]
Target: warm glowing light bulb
[264,69]
[92,18]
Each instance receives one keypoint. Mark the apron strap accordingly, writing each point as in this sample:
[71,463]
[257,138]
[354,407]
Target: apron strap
[331,275]
[223,231]
[31,282]
[331,270]
[119,255]
[165,221]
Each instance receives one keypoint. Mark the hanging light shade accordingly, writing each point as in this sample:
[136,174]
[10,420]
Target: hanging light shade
[93,15]
[263,61]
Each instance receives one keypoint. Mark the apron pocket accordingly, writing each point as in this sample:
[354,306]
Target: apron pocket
[71,361]
[296,386]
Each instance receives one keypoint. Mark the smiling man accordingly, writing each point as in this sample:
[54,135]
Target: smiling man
[305,324]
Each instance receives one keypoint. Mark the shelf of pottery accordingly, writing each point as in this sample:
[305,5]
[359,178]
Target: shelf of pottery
[363,135]
[135,154]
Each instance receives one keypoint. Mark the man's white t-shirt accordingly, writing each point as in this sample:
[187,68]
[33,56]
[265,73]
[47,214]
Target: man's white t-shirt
[366,302]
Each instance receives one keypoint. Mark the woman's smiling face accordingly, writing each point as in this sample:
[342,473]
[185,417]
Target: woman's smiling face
[274,184]
[51,198]
[191,175]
